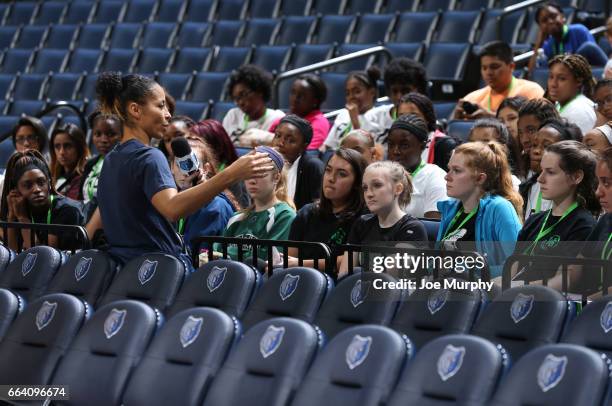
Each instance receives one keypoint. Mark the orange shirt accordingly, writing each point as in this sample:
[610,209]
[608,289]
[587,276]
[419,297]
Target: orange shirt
[490,100]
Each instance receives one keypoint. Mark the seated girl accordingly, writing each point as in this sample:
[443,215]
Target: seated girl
[106,132]
[407,140]
[330,219]
[568,181]
[602,96]
[484,208]
[599,138]
[304,172]
[271,214]
[69,153]
[29,197]
[508,114]
[550,132]
[386,189]
[362,141]
[360,90]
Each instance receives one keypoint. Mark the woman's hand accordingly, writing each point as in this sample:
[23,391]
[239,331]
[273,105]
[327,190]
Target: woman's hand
[251,165]
[353,111]
[17,206]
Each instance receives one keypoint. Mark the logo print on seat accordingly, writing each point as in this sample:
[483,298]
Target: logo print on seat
[605,320]
[521,307]
[359,294]
[45,314]
[215,278]
[82,268]
[114,322]
[191,330]
[551,372]
[357,351]
[146,271]
[450,361]
[271,340]
[28,263]
[288,286]
[437,300]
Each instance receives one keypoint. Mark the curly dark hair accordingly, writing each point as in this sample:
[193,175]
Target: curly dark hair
[253,77]
[406,71]
[424,105]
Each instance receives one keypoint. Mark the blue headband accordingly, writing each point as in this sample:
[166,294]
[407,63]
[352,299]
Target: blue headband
[274,155]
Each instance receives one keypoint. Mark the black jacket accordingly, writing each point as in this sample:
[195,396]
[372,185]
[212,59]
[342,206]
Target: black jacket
[308,182]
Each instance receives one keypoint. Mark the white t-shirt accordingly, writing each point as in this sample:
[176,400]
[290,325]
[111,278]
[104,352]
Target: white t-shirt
[236,123]
[580,111]
[380,117]
[533,199]
[292,177]
[341,123]
[429,187]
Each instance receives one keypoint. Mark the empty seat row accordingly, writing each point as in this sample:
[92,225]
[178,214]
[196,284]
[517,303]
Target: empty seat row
[198,357]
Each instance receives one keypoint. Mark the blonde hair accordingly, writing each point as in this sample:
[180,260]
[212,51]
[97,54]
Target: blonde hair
[281,191]
[397,174]
[490,158]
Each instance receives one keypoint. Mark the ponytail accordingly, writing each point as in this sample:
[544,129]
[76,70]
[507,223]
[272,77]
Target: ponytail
[114,92]
[397,174]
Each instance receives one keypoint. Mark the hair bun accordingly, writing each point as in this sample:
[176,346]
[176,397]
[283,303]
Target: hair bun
[374,73]
[108,87]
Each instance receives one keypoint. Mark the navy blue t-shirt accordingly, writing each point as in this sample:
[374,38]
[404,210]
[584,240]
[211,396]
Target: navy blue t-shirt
[131,175]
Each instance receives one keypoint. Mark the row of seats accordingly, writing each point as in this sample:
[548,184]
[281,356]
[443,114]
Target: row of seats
[449,26]
[199,357]
[519,319]
[105,11]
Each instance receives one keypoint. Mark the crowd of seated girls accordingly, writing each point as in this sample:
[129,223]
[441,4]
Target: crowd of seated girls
[536,170]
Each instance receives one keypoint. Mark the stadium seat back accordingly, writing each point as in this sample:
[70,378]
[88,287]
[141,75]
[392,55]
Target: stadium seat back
[191,59]
[158,35]
[226,32]
[50,60]
[294,292]
[427,314]
[438,53]
[192,34]
[555,374]
[119,60]
[50,12]
[231,9]
[208,86]
[458,26]
[109,11]
[93,36]
[460,369]
[259,31]
[86,275]
[31,36]
[139,11]
[7,35]
[510,27]
[229,58]
[335,90]
[10,306]
[373,28]
[63,86]
[31,271]
[195,110]
[16,60]
[125,35]
[199,10]
[272,58]
[523,318]
[592,326]
[360,365]
[171,11]
[79,12]
[295,8]
[355,301]
[223,284]
[152,278]
[295,30]
[361,63]
[174,83]
[39,337]
[154,60]
[110,344]
[415,27]
[20,13]
[307,54]
[61,36]
[268,364]
[334,28]
[179,372]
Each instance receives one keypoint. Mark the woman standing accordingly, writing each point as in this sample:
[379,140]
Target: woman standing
[137,196]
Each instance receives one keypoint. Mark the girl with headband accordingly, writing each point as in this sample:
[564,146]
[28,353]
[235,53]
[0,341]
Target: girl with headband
[484,208]
[270,215]
[137,197]
[407,140]
[28,196]
[304,172]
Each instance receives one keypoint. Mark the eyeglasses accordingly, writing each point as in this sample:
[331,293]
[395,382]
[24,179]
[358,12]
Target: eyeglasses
[32,139]
[242,96]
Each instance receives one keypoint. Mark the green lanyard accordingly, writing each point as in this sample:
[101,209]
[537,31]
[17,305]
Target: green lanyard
[465,220]
[181,225]
[544,232]
[95,172]
[48,212]
[605,253]
[509,90]
[346,130]
[418,168]
[221,167]
[247,120]
[539,203]
[394,113]
[560,50]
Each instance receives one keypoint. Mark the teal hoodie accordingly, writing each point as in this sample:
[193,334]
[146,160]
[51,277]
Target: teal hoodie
[497,227]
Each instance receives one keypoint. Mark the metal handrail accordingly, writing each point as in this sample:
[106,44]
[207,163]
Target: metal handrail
[334,113]
[511,9]
[379,49]
[51,107]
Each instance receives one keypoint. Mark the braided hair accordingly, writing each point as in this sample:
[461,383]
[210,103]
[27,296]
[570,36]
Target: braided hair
[425,105]
[542,109]
[580,68]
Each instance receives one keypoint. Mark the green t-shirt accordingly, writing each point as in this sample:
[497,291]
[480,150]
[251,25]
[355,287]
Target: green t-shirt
[271,224]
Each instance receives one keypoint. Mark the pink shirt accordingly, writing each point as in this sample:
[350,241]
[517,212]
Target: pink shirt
[320,128]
